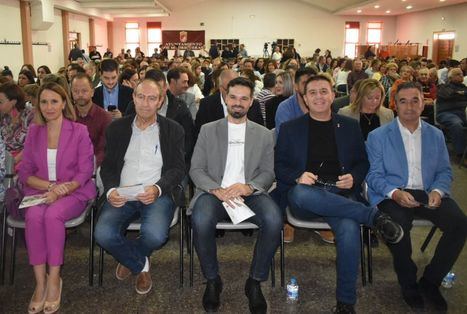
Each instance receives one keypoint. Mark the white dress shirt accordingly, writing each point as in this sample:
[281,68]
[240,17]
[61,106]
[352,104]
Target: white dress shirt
[52,164]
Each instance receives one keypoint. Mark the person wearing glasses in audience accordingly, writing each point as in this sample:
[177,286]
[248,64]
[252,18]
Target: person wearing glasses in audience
[320,161]
[410,175]
[144,149]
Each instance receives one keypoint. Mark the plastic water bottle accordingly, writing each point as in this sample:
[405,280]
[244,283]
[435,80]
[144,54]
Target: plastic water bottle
[292,291]
[448,280]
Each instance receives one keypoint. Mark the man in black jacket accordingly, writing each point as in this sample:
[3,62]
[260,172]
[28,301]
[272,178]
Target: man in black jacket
[172,108]
[110,93]
[213,108]
[144,151]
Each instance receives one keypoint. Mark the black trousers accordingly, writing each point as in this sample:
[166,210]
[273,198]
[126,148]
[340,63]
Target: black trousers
[448,217]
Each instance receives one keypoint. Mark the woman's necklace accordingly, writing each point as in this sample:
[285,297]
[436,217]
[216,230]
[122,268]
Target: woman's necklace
[368,119]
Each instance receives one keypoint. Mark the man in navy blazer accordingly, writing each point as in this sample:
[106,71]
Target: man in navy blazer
[410,175]
[320,160]
[110,93]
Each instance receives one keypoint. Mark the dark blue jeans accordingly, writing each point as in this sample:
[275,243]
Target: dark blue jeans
[208,210]
[454,121]
[155,223]
[344,216]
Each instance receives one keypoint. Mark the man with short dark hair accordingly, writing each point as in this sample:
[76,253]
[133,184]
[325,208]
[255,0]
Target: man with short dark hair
[320,161]
[178,84]
[269,87]
[410,175]
[111,93]
[94,55]
[233,162]
[214,107]
[144,149]
[75,53]
[94,117]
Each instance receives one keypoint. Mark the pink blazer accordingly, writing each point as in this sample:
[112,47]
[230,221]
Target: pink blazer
[75,158]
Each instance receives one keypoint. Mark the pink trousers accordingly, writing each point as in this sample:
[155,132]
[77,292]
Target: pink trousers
[45,229]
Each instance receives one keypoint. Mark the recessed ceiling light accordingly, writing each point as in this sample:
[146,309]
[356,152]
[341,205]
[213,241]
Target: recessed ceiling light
[376,6]
[442,0]
[359,11]
[388,11]
[408,7]
[404,0]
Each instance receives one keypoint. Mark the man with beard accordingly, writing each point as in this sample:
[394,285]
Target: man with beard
[94,117]
[233,160]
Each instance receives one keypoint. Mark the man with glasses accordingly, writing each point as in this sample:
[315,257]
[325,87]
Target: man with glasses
[145,149]
[410,175]
[320,161]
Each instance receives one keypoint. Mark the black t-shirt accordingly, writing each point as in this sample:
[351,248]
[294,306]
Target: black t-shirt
[322,159]
[368,122]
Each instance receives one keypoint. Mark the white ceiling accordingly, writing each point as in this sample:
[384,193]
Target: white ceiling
[153,8]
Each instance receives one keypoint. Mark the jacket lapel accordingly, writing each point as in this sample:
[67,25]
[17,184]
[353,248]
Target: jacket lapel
[223,140]
[395,138]
[250,137]
[63,142]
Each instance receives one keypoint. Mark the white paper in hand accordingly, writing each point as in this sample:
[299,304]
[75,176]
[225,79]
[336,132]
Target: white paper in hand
[239,212]
[131,191]
[32,200]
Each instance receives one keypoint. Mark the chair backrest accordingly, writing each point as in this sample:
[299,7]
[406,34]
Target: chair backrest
[9,170]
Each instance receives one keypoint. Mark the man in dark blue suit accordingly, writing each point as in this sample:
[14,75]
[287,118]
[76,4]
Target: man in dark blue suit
[320,161]
[410,175]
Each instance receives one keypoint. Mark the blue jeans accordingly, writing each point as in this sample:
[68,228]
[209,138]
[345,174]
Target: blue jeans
[454,121]
[344,216]
[155,223]
[208,210]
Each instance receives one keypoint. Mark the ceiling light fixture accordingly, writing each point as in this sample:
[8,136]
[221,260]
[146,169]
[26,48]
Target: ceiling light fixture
[376,6]
[359,11]
[408,7]
[388,11]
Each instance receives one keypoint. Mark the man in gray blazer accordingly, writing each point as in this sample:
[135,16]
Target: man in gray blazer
[233,158]
[178,85]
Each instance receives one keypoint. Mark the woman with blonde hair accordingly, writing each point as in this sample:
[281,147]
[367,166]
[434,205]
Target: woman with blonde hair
[58,164]
[368,107]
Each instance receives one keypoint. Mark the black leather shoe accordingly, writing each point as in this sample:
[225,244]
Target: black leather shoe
[211,297]
[432,294]
[391,231]
[256,300]
[344,308]
[413,298]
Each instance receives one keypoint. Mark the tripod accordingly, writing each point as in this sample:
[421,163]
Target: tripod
[265,53]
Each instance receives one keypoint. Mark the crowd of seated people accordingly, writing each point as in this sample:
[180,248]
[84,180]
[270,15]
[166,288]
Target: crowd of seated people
[120,101]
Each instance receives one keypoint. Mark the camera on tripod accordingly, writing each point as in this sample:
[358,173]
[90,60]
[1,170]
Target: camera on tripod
[266,45]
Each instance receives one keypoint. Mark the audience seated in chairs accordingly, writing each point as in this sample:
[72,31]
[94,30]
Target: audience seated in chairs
[233,162]
[57,162]
[368,107]
[450,109]
[145,149]
[410,175]
[15,118]
[284,88]
[320,161]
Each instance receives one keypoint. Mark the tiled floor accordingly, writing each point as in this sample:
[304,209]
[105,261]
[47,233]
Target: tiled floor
[310,260]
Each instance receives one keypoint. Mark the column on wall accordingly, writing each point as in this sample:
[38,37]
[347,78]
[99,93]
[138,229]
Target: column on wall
[92,33]
[110,38]
[26,32]
[65,31]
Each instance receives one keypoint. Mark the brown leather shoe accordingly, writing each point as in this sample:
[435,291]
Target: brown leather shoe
[326,236]
[289,233]
[143,282]
[121,272]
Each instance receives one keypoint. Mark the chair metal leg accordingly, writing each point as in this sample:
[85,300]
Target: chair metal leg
[181,247]
[282,259]
[3,249]
[187,231]
[101,265]
[428,239]
[91,247]
[191,256]
[369,257]
[13,256]
[362,257]
[273,272]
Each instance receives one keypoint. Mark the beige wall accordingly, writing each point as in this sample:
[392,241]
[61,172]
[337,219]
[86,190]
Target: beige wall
[261,22]
[419,27]
[10,17]
[100,28]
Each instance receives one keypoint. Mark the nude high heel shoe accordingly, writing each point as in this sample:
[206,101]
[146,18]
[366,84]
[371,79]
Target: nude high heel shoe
[54,306]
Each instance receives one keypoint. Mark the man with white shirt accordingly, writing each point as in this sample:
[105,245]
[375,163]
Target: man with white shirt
[234,159]
[410,175]
[143,149]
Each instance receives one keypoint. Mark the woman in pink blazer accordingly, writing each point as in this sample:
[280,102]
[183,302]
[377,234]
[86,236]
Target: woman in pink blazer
[58,162]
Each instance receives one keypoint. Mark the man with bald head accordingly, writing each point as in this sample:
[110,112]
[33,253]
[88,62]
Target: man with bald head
[214,107]
[450,109]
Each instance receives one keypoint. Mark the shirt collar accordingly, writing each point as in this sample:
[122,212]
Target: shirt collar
[404,129]
[138,130]
[110,91]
